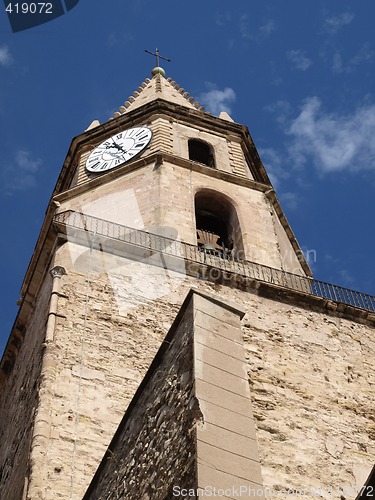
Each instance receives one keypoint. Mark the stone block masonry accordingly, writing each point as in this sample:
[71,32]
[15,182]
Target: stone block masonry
[310,372]
[227,453]
[19,400]
[183,433]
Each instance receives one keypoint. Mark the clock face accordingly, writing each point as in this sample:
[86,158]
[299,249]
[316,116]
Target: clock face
[118,149]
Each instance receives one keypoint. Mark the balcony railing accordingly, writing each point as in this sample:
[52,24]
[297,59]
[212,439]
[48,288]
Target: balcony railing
[144,245]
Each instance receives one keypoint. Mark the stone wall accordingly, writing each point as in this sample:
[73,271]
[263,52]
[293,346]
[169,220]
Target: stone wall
[19,400]
[155,445]
[311,376]
[100,354]
[189,430]
[313,386]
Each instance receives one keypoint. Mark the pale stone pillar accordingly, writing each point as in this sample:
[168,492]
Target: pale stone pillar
[42,426]
[227,454]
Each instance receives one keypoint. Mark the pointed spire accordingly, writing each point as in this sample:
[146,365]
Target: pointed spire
[158,87]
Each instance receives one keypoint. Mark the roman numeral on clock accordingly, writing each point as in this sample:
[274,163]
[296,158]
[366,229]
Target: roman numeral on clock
[118,149]
[95,166]
[93,159]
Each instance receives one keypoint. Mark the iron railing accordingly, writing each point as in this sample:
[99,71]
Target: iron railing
[162,241]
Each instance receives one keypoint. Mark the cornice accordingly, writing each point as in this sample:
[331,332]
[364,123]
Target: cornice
[158,159]
[180,114]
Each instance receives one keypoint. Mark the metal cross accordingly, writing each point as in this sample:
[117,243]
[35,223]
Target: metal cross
[158,56]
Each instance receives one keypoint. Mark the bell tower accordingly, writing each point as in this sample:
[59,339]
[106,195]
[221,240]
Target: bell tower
[160,199]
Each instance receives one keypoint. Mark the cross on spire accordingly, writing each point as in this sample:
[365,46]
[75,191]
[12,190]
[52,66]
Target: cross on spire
[158,56]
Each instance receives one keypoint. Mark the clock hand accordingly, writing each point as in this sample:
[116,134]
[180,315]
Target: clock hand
[115,155]
[114,145]
[118,147]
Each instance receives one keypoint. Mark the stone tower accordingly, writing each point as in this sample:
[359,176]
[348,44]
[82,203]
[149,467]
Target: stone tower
[159,200]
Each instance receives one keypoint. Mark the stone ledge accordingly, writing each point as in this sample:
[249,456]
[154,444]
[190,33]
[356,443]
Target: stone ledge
[282,294]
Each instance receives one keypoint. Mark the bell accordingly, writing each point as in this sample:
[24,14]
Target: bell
[208,247]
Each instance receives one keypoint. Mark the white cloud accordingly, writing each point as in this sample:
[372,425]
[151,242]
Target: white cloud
[337,64]
[281,110]
[25,163]
[299,59]
[334,23]
[267,28]
[341,275]
[346,279]
[273,162]
[245,31]
[5,57]
[364,54]
[260,33]
[334,142]
[20,174]
[216,100]
[289,200]
[119,39]
[223,18]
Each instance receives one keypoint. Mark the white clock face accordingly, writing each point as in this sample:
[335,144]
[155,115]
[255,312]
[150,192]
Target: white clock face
[118,149]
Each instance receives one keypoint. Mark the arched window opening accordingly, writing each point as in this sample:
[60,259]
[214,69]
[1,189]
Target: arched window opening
[218,229]
[201,152]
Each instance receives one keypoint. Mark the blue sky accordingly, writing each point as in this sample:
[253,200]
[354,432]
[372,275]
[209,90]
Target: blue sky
[298,74]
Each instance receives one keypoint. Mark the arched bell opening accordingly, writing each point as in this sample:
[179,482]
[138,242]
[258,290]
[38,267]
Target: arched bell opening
[201,152]
[217,225]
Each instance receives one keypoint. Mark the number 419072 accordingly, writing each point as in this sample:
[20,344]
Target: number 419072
[29,8]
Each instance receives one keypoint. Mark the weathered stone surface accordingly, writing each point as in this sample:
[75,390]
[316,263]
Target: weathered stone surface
[19,401]
[154,448]
[304,393]
[183,439]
